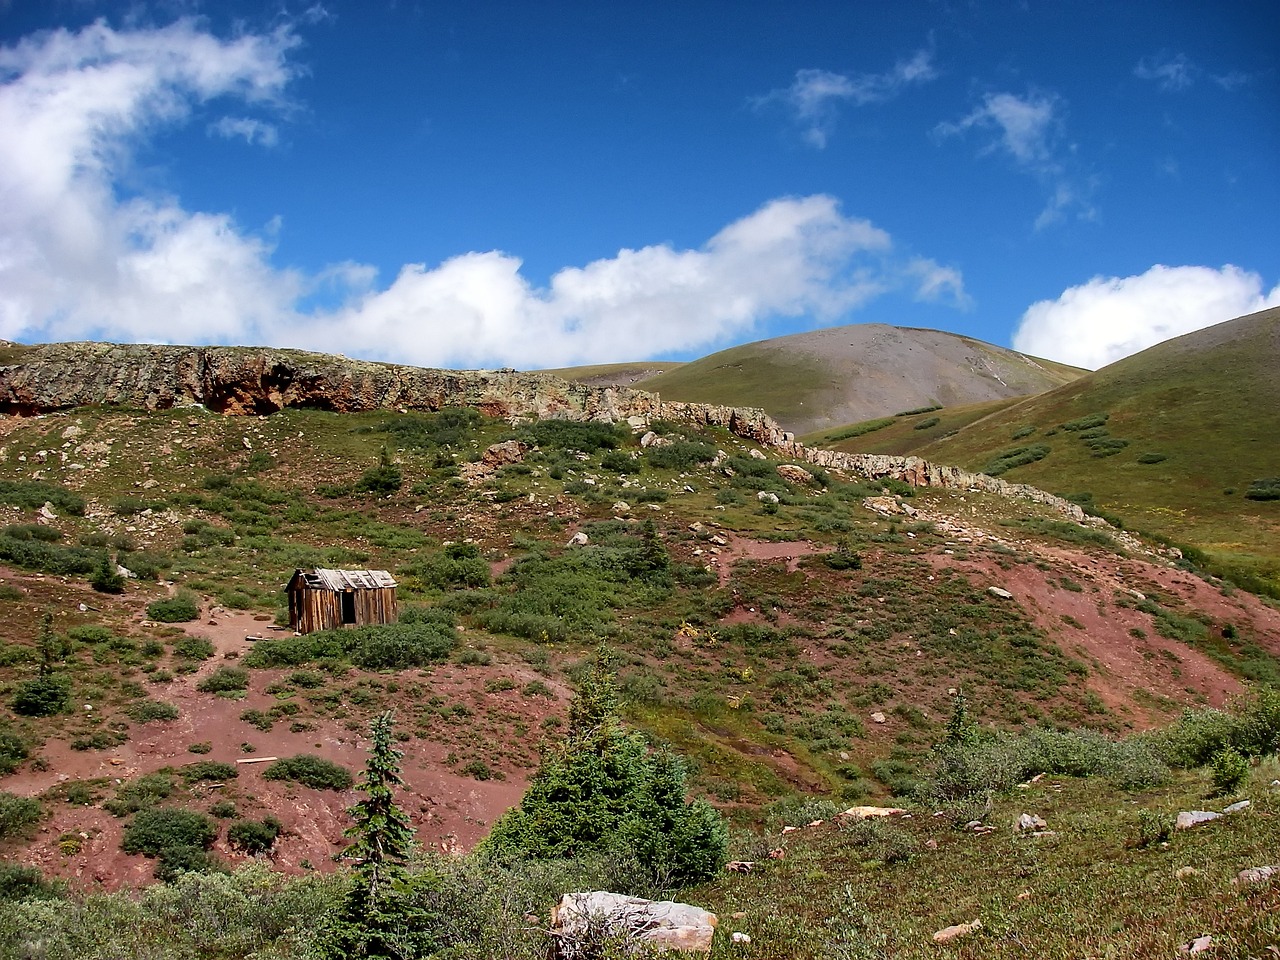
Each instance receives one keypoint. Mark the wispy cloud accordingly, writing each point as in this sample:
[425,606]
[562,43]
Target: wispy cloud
[82,259]
[1171,72]
[814,97]
[1029,130]
[1108,318]
[253,131]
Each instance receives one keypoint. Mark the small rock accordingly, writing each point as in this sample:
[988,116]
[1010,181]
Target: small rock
[1198,945]
[1183,872]
[777,853]
[578,539]
[931,844]
[794,474]
[764,496]
[740,937]
[998,592]
[698,528]
[1252,875]
[1237,806]
[878,717]
[758,454]
[1029,821]
[866,813]
[947,934]
[621,507]
[1193,818]
[738,915]
[740,866]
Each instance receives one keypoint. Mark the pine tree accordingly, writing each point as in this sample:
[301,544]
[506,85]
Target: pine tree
[379,916]
[107,578]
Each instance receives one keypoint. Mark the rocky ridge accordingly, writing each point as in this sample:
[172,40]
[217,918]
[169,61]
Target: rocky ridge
[250,380]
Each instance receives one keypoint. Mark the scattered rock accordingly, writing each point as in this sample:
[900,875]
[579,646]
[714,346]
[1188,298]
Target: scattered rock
[877,717]
[1029,821]
[764,496]
[1193,818]
[1237,806]
[947,934]
[1252,875]
[740,866]
[758,454]
[659,925]
[865,813]
[621,507]
[793,474]
[1183,872]
[739,937]
[1198,945]
[46,511]
[698,528]
[999,592]
[578,539]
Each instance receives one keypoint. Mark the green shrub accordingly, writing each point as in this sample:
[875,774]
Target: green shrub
[460,565]
[42,696]
[680,455]
[154,830]
[18,814]
[47,557]
[1266,488]
[224,809]
[32,495]
[1152,457]
[1154,828]
[927,423]
[25,883]
[254,836]
[225,679]
[193,648]
[573,435]
[386,478]
[604,790]
[32,531]
[13,750]
[1022,432]
[147,710]
[858,430]
[310,771]
[424,635]
[140,794]
[1087,423]
[1006,460]
[214,770]
[1229,770]
[180,608]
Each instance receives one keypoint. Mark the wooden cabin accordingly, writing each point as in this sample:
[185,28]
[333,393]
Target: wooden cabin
[326,599]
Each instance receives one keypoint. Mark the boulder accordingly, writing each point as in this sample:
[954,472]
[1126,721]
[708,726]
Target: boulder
[947,934]
[1193,818]
[793,474]
[1252,875]
[1000,593]
[582,923]
[865,813]
[764,496]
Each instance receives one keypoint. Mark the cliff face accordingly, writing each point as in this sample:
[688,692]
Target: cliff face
[244,380]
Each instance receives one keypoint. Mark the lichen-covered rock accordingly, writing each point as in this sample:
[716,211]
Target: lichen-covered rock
[583,923]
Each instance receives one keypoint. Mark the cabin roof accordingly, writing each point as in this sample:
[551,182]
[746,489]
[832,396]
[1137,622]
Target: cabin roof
[340,580]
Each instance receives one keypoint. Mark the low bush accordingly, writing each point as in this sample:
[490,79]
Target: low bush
[18,814]
[13,750]
[213,770]
[25,883]
[146,711]
[155,830]
[680,455]
[1087,423]
[254,836]
[1266,488]
[927,423]
[1006,460]
[424,635]
[1152,457]
[224,679]
[1229,771]
[42,696]
[311,771]
[33,494]
[193,648]
[182,607]
[140,794]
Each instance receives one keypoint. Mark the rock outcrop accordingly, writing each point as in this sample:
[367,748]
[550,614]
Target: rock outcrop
[259,380]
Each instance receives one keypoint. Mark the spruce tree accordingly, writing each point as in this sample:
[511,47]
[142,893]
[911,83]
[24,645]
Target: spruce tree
[379,915]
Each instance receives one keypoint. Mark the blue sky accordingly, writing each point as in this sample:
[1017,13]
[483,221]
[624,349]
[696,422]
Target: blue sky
[544,184]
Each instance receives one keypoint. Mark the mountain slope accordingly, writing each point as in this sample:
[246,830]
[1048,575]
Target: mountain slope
[825,378]
[1182,431]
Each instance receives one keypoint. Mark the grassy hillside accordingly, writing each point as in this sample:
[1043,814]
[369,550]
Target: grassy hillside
[792,639]
[826,378]
[1169,440]
[615,374]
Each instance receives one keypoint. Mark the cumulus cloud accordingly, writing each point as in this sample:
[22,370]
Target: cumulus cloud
[77,258]
[80,258]
[814,96]
[1108,318]
[1029,130]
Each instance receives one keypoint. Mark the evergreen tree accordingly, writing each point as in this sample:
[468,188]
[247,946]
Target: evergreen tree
[107,578]
[379,916]
[603,789]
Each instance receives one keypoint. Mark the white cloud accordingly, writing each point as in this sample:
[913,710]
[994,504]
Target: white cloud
[814,95]
[75,258]
[1170,72]
[1029,130]
[1108,318]
[81,260]
[253,131]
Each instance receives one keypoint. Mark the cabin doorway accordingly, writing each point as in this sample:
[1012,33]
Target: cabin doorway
[348,606]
